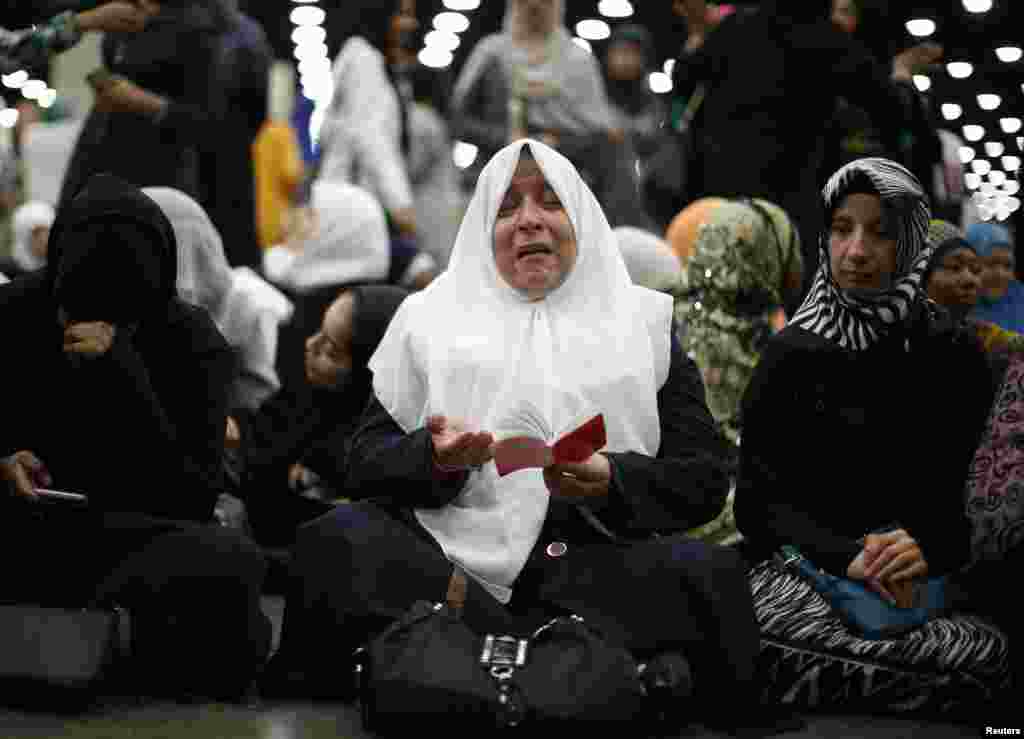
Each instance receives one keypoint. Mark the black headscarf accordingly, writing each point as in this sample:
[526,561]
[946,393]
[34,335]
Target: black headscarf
[633,96]
[112,255]
[375,306]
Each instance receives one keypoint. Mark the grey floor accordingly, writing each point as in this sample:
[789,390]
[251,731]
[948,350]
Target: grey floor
[320,721]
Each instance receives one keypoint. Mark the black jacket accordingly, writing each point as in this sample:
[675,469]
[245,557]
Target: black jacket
[837,444]
[140,428]
[684,486]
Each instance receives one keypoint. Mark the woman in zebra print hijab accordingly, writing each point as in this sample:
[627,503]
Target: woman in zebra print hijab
[868,283]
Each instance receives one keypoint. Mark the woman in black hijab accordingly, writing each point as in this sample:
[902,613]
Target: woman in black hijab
[299,436]
[122,397]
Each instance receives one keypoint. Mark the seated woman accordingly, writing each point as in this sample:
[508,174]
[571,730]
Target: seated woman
[535,314]
[1002,295]
[123,397]
[298,438]
[878,449]
[247,310]
[953,280]
[31,227]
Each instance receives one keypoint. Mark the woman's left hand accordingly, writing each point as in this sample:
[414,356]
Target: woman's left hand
[90,339]
[893,557]
[589,480]
[123,96]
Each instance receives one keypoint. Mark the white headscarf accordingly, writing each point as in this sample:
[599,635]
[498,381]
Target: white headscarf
[3,279]
[351,243]
[27,218]
[473,348]
[245,307]
[650,261]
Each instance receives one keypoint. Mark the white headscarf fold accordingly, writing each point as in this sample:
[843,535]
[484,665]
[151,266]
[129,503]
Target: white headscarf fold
[351,243]
[246,308]
[473,348]
[26,219]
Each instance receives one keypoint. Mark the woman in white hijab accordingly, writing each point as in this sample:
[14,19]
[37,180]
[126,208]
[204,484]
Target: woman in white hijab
[532,80]
[536,315]
[246,309]
[349,242]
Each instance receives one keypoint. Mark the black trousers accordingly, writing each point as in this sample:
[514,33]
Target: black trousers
[192,590]
[361,566]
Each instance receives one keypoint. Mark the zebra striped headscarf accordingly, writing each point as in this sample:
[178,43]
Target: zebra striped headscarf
[859,321]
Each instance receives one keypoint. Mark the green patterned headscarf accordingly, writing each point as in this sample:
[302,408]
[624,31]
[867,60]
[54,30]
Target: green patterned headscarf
[727,293]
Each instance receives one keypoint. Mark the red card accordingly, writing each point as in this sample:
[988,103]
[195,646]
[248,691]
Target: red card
[525,452]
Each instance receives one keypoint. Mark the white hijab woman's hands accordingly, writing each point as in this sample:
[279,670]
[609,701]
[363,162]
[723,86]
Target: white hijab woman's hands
[456,447]
[589,480]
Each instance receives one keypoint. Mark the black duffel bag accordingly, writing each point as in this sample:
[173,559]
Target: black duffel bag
[429,666]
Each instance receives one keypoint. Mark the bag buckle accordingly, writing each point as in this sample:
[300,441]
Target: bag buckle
[503,654]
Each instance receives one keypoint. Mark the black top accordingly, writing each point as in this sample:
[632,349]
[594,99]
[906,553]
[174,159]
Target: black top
[174,57]
[684,486]
[141,428]
[839,443]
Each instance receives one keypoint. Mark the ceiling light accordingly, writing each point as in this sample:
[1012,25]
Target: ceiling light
[1013,204]
[966,154]
[583,44]
[922,82]
[310,51]
[304,1]
[973,132]
[314,34]
[977,6]
[8,117]
[959,70]
[451,22]
[615,8]
[16,80]
[979,197]
[981,166]
[442,40]
[462,4]
[659,82]
[1009,125]
[593,29]
[308,15]
[315,66]
[33,89]
[972,180]
[951,111]
[435,57]
[988,101]
[464,154]
[1011,187]
[1009,54]
[1011,163]
[997,177]
[921,27]
[669,67]
[994,148]
[988,190]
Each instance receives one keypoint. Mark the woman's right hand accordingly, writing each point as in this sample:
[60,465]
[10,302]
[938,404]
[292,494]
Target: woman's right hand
[113,17]
[24,472]
[455,447]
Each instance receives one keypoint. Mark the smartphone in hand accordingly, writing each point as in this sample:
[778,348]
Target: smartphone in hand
[47,495]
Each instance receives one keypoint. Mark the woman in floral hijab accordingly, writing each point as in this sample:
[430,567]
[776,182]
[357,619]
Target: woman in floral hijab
[745,263]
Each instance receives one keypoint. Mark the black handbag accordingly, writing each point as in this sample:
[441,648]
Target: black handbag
[57,657]
[429,665]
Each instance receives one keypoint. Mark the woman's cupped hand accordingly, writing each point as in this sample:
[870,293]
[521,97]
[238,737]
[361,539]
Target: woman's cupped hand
[458,447]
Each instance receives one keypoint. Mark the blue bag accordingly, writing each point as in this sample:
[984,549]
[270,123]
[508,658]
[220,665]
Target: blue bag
[861,608]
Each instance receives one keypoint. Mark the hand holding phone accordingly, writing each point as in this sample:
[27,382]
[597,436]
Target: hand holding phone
[46,495]
[100,78]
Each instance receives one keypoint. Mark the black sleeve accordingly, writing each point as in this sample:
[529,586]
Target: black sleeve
[771,480]
[687,483]
[184,437]
[383,460]
[200,117]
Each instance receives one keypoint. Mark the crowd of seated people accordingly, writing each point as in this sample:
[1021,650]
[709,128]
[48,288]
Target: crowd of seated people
[350,390]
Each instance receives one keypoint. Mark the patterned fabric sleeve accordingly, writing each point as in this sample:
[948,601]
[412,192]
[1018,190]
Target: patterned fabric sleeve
[32,48]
